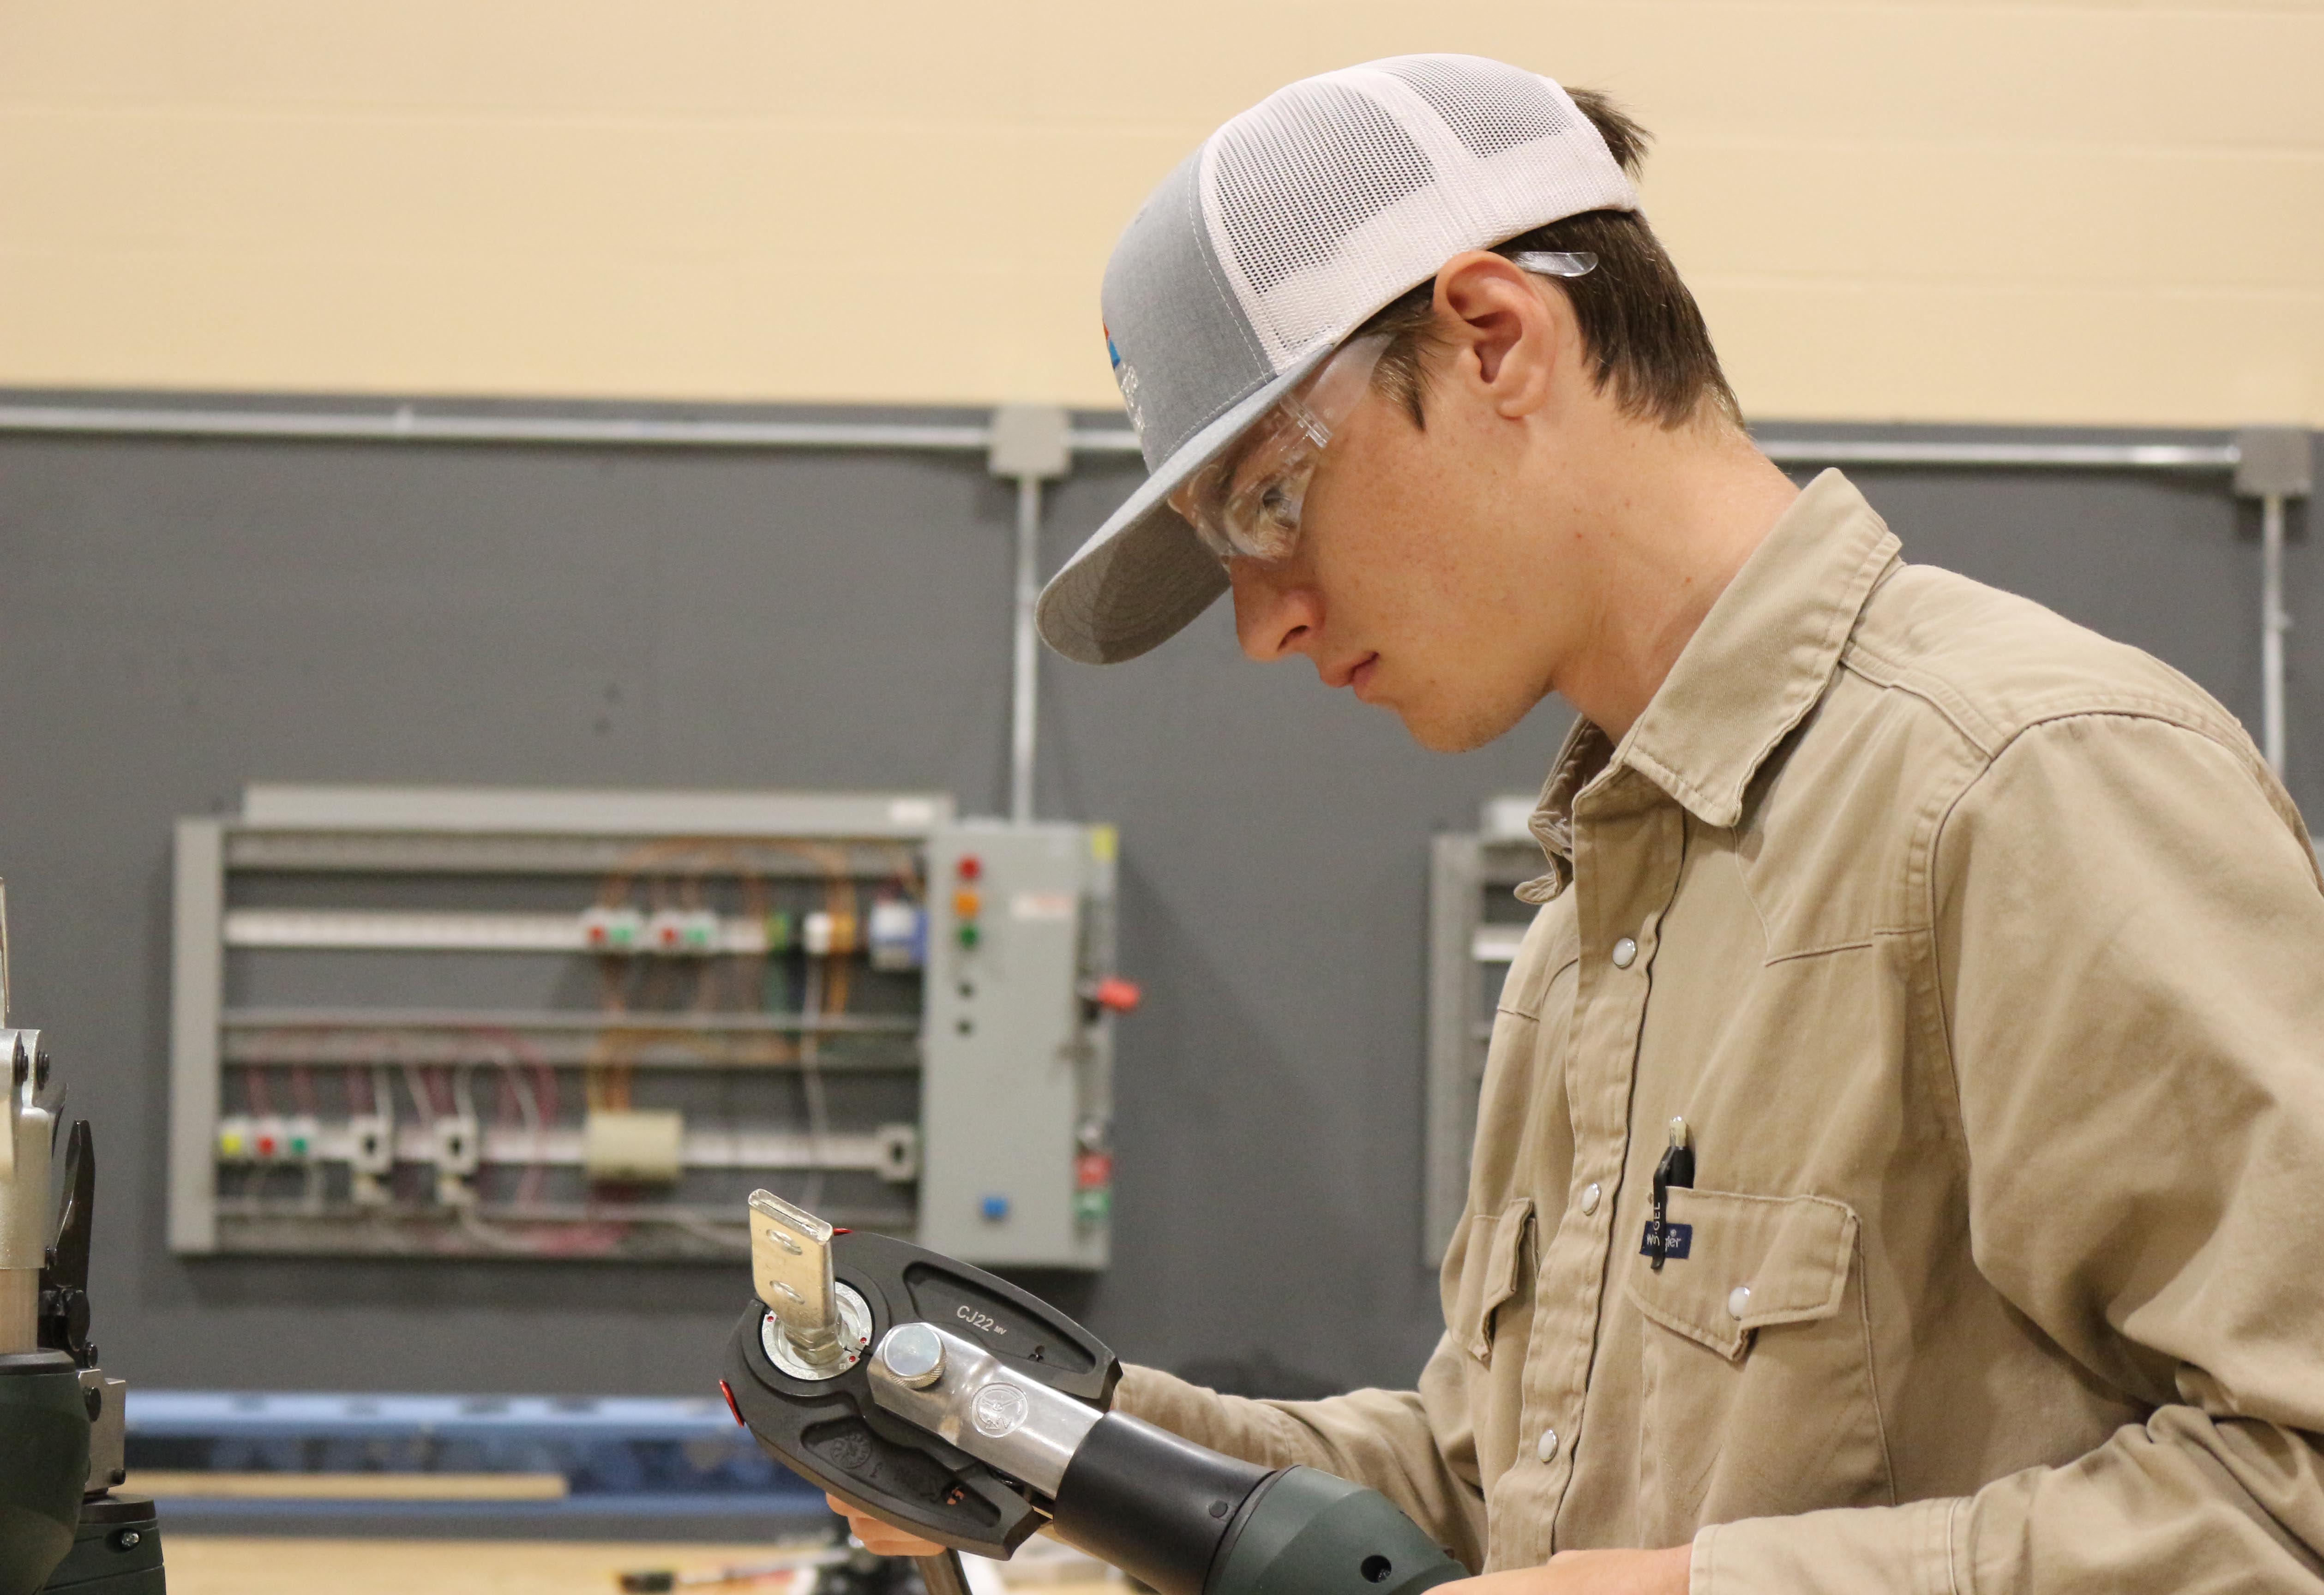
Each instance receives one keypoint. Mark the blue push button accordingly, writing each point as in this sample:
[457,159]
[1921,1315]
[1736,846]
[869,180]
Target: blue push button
[993,1208]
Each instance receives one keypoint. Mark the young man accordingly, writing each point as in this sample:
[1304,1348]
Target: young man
[1902,1138]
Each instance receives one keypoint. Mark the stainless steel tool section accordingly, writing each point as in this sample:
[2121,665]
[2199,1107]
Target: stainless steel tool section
[1012,1424]
[790,1264]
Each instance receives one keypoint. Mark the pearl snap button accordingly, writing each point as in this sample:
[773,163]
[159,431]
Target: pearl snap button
[1625,953]
[1590,1199]
[1547,1449]
[1738,1301]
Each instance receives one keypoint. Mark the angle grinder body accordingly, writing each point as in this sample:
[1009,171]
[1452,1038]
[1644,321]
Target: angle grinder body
[1179,1517]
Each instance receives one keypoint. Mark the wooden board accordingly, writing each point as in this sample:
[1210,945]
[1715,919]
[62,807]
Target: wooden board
[223,1566]
[207,1565]
[349,1487]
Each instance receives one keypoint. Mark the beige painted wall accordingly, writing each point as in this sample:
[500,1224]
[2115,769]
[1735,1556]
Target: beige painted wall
[2029,211]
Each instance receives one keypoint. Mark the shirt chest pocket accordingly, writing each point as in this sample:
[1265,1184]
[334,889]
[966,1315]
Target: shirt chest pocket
[1492,1271]
[1754,1365]
[1750,1262]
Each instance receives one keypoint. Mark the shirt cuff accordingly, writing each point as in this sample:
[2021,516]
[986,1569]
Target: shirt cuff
[1844,1551]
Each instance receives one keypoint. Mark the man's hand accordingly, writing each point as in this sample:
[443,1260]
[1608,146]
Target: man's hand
[1587,1572]
[882,1539]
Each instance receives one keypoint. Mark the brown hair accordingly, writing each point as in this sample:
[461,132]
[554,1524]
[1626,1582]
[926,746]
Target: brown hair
[1639,323]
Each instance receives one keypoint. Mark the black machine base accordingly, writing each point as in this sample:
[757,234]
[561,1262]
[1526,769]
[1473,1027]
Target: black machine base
[116,1551]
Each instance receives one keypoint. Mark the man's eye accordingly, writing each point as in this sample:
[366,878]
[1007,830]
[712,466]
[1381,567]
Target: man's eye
[1278,506]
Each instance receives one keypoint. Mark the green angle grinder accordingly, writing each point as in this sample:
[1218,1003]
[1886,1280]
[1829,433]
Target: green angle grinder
[954,1405]
[62,1528]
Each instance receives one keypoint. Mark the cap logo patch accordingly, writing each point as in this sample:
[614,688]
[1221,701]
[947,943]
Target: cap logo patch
[1125,377]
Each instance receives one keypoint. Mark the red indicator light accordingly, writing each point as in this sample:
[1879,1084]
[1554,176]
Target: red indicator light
[266,1146]
[1116,995]
[971,867]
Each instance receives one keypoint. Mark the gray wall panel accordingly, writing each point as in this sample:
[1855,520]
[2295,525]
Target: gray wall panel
[185,617]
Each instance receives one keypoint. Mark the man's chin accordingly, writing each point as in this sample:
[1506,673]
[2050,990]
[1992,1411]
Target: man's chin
[1454,733]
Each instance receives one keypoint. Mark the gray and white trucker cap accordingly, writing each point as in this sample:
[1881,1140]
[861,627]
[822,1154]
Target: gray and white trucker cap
[1278,238]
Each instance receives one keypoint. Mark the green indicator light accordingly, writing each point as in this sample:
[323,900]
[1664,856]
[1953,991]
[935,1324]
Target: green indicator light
[970,936]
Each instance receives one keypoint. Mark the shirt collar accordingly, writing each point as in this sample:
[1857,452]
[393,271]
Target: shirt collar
[1754,668]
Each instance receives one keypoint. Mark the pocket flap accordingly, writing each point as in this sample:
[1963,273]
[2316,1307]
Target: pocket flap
[1751,1261]
[1489,1280]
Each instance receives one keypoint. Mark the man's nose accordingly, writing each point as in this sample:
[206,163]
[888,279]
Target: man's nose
[1274,617]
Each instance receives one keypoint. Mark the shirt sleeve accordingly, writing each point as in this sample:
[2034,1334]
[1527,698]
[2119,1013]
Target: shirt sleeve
[1413,1446]
[2129,953]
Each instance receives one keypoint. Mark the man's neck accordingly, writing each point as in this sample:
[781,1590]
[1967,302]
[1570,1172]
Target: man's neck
[1683,509]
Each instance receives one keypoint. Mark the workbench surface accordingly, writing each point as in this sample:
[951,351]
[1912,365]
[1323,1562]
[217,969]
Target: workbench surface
[204,1565]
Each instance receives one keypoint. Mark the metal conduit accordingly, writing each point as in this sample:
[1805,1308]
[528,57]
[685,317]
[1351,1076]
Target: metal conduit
[1023,681]
[407,424]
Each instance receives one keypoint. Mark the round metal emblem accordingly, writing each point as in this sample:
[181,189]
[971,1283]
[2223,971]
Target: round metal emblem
[997,1410]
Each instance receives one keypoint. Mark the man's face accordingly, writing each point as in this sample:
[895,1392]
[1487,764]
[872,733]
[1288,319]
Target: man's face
[1410,581]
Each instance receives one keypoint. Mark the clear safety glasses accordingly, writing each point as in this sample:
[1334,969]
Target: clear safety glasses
[1245,505]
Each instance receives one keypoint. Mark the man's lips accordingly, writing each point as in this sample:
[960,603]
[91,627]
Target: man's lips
[1360,677]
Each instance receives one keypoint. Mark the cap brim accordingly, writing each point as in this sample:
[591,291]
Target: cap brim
[1145,573]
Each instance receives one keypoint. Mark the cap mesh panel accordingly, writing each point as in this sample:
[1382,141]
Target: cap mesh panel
[1296,176]
[1331,197]
[1489,107]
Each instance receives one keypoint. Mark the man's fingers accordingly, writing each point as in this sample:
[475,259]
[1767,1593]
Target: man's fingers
[881,1539]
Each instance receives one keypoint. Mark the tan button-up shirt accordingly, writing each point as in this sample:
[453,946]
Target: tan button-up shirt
[1984,959]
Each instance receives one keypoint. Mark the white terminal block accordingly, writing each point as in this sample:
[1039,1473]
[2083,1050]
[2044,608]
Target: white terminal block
[633,1146]
[816,933]
[899,1153]
[683,933]
[457,1151]
[612,930]
[301,1133]
[898,935]
[371,1143]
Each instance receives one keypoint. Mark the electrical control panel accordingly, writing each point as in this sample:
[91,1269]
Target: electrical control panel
[453,1021]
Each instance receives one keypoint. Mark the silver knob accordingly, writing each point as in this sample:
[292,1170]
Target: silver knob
[914,1354]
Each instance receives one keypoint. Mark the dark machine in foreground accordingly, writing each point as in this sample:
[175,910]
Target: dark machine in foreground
[62,1528]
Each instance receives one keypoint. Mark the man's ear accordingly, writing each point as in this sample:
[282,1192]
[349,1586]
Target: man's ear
[1502,335]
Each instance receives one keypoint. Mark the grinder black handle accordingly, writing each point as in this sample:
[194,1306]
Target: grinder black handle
[1189,1521]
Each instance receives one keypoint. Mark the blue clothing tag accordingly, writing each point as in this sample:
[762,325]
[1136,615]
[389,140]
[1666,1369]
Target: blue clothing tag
[1682,1240]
